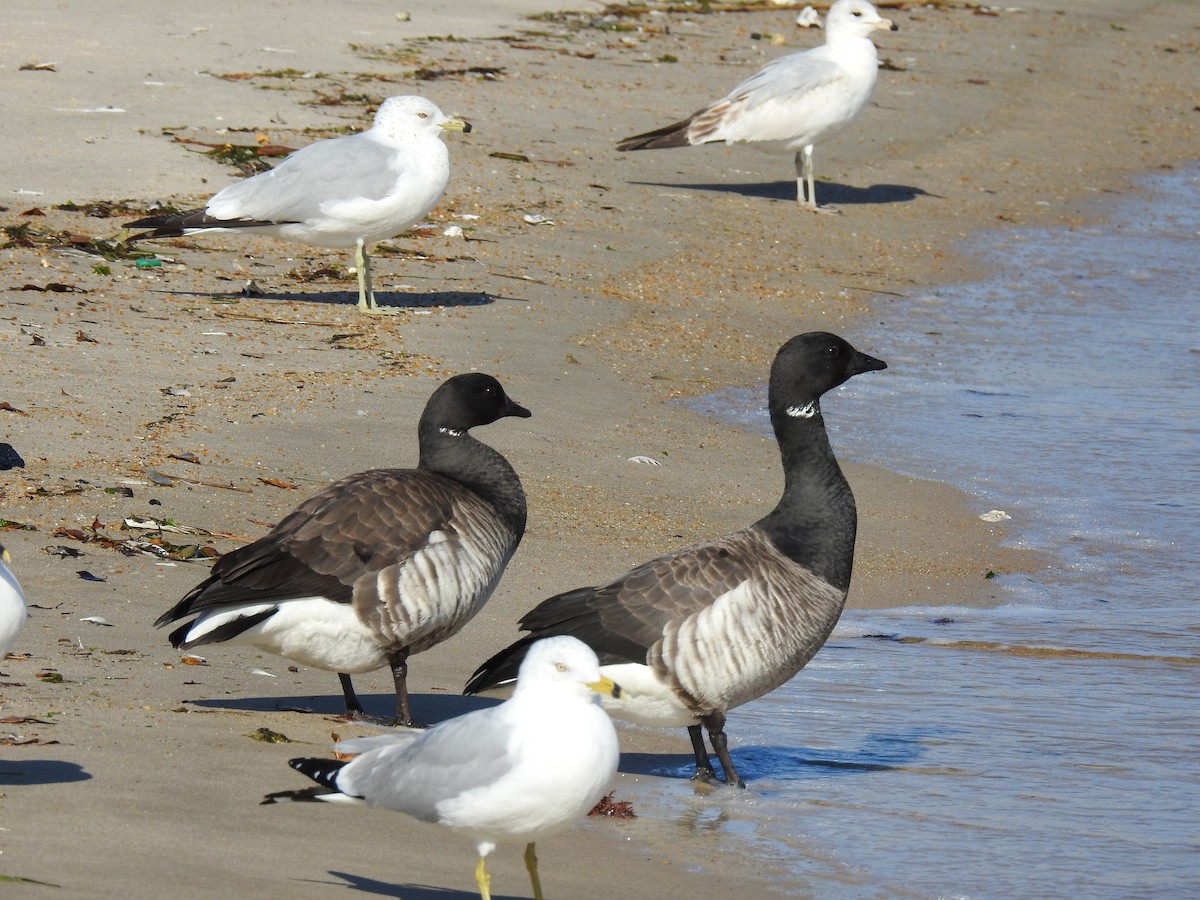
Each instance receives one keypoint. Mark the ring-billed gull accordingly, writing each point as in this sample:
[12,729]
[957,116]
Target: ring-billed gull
[379,565]
[12,604]
[345,192]
[524,770]
[793,102]
[696,633]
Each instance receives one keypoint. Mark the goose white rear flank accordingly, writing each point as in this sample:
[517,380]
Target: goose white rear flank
[794,102]
[345,192]
[698,632]
[379,565]
[521,771]
[13,608]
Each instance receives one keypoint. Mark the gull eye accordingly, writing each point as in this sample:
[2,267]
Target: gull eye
[422,115]
[561,667]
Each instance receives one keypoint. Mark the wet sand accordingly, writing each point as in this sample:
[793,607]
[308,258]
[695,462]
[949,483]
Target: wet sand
[665,275]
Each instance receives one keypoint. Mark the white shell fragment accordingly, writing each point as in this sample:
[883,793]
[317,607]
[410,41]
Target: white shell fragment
[645,460]
[808,18]
[96,620]
[149,525]
[995,515]
[536,219]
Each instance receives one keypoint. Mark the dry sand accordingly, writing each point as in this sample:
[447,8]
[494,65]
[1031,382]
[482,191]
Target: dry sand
[664,275]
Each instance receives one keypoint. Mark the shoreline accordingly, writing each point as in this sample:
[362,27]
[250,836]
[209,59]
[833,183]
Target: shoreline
[667,274]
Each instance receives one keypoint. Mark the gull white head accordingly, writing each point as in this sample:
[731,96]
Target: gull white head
[563,663]
[854,19]
[409,116]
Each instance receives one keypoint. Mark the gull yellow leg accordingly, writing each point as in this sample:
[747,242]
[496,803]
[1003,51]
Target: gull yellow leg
[531,866]
[362,264]
[483,880]
[803,161]
[806,183]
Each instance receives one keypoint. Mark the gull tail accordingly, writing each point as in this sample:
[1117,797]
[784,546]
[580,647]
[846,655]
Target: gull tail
[674,135]
[191,221]
[324,772]
[169,224]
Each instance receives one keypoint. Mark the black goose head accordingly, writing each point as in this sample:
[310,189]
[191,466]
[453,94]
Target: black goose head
[465,401]
[809,365]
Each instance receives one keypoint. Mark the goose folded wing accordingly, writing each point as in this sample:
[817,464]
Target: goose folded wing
[622,620]
[353,528]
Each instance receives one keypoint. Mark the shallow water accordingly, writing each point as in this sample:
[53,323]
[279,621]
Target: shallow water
[1048,747]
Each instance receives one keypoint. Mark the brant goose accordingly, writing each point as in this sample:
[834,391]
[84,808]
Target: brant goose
[346,192]
[793,102]
[379,565]
[524,770]
[693,634]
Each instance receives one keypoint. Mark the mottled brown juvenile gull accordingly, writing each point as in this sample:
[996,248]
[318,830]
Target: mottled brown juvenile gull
[524,770]
[379,565]
[793,102]
[698,632]
[345,192]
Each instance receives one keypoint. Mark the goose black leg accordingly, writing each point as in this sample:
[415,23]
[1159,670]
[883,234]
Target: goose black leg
[352,705]
[715,723]
[398,660]
[704,769]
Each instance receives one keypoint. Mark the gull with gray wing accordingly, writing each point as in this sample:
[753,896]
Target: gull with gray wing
[524,770]
[792,103]
[13,609]
[349,191]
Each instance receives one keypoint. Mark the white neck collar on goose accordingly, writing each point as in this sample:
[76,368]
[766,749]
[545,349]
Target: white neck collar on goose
[807,411]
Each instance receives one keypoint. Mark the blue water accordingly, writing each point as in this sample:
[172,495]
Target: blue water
[1051,746]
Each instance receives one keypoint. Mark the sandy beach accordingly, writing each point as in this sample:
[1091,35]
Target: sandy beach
[172,392]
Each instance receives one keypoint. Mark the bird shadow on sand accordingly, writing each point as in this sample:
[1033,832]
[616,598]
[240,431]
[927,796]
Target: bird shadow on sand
[380,708]
[387,300]
[875,753]
[402,891]
[394,299]
[40,771]
[827,194]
